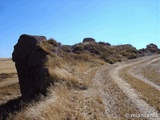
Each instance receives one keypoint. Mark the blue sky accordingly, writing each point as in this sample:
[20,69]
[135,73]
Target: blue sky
[135,22]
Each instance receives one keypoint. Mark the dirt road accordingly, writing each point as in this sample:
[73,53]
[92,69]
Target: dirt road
[127,91]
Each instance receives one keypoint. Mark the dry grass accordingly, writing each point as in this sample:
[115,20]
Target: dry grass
[110,54]
[9,92]
[63,104]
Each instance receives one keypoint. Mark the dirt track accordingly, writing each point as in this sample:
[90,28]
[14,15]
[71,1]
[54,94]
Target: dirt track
[122,97]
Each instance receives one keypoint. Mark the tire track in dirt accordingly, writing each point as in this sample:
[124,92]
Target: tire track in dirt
[118,96]
[137,72]
[129,91]
[115,101]
[145,91]
[94,90]
[148,72]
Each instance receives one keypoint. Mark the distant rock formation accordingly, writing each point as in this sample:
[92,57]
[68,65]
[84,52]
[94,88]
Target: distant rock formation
[152,47]
[88,40]
[29,62]
[149,50]
[104,43]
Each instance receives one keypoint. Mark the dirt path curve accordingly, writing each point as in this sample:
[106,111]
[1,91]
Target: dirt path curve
[129,91]
[112,87]
[137,72]
[116,103]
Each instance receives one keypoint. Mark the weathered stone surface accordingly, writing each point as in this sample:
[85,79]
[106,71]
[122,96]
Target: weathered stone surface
[29,61]
[88,40]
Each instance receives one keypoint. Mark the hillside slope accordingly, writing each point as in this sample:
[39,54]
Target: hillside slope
[114,91]
[82,81]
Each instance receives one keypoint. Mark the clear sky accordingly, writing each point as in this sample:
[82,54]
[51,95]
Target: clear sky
[135,22]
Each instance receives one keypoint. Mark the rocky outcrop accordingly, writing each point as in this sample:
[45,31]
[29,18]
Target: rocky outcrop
[152,47]
[88,40]
[149,50]
[29,61]
[104,43]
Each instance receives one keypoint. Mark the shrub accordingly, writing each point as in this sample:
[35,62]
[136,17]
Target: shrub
[78,48]
[53,42]
[104,43]
[109,58]
[84,57]
[66,49]
[94,50]
[129,55]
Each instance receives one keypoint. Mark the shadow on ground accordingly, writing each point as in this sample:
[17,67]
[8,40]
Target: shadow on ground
[12,106]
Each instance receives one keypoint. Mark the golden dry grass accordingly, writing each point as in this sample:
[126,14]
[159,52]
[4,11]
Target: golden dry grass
[63,103]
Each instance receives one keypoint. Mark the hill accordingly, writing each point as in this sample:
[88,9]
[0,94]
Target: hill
[78,82]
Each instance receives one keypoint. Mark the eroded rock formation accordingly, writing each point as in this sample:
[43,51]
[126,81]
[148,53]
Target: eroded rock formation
[29,61]
[152,48]
[88,40]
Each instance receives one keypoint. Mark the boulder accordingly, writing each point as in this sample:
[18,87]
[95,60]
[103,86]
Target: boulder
[88,40]
[152,48]
[29,61]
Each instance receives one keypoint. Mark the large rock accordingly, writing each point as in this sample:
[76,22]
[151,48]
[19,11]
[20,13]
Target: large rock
[88,40]
[152,48]
[29,61]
